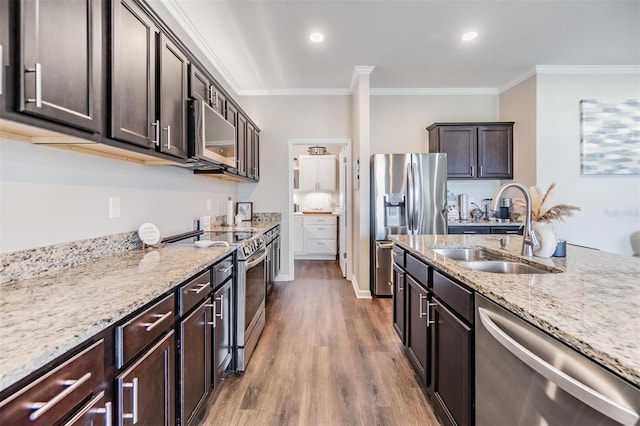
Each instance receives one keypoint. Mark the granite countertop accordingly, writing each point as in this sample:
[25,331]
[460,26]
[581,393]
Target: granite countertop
[593,305]
[45,316]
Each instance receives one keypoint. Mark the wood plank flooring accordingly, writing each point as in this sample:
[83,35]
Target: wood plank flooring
[324,358]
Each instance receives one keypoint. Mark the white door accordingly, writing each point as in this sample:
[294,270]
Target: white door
[343,172]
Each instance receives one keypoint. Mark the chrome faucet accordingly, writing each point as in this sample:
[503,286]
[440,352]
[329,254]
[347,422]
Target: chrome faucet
[529,239]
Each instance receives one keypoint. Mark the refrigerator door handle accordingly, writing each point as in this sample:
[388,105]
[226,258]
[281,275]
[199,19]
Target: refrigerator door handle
[409,198]
[417,199]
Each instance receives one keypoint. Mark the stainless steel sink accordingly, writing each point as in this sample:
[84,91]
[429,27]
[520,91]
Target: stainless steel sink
[502,267]
[468,254]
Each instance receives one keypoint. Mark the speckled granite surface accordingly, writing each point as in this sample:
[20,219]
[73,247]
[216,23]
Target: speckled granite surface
[593,305]
[43,317]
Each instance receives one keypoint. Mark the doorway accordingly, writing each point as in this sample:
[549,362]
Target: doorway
[340,202]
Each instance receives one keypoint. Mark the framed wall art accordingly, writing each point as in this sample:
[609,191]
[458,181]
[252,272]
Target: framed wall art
[610,137]
[244,209]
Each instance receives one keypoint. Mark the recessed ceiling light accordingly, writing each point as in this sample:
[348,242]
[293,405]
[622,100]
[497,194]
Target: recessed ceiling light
[469,36]
[316,37]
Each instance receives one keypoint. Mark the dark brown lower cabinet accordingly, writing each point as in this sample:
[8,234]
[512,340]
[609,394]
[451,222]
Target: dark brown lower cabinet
[222,342]
[195,360]
[418,328]
[452,381]
[145,390]
[399,296]
[95,412]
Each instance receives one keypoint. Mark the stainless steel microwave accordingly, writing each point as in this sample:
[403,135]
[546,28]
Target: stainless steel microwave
[211,137]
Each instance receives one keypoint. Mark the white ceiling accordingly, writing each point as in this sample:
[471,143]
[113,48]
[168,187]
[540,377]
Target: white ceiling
[263,47]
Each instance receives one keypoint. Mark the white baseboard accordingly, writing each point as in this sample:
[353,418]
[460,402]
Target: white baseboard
[360,294]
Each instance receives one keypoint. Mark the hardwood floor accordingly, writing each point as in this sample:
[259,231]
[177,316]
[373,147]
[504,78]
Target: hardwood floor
[324,358]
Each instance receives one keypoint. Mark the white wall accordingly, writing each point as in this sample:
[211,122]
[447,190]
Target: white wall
[399,123]
[610,204]
[49,196]
[282,118]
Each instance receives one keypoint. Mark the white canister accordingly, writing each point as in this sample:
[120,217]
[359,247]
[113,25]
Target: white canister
[547,238]
[463,206]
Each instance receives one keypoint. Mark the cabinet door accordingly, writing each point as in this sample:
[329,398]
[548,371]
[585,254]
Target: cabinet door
[452,373]
[251,160]
[495,152]
[326,175]
[133,76]
[195,361]
[417,329]
[399,301]
[199,85]
[298,235]
[256,155]
[173,95]
[308,172]
[98,411]
[60,59]
[459,143]
[222,343]
[241,136]
[218,100]
[146,389]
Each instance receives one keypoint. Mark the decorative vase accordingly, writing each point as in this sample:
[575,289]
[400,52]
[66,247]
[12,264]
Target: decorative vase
[547,238]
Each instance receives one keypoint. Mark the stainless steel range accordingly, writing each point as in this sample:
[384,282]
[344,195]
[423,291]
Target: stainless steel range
[250,292]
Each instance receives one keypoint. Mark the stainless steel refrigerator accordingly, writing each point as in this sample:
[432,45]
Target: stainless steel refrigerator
[408,196]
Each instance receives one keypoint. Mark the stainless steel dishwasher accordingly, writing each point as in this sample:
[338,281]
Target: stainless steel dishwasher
[526,377]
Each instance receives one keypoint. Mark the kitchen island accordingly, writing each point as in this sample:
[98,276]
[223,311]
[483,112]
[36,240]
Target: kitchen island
[591,303]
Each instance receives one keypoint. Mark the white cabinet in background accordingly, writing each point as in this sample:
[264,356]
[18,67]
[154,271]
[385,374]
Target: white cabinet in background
[317,172]
[318,236]
[298,235]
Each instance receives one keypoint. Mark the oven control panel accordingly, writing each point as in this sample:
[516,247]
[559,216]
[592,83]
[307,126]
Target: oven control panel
[252,246]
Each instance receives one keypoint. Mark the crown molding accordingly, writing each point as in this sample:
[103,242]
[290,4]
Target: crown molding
[183,20]
[519,79]
[587,69]
[434,91]
[359,70]
[295,92]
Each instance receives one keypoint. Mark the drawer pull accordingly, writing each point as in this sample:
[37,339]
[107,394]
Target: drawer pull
[199,289]
[421,314]
[108,416]
[219,315]
[43,407]
[224,270]
[134,394]
[510,232]
[212,306]
[161,317]
[468,232]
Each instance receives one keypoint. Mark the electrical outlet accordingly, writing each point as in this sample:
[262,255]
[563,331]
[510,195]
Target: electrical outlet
[114,207]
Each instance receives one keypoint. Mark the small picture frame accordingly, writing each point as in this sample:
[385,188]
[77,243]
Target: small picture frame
[245,210]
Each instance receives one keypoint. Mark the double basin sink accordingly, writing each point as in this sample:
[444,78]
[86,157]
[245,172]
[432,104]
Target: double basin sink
[482,260]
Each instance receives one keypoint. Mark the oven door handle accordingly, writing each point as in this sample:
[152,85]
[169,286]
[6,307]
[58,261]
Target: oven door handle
[255,262]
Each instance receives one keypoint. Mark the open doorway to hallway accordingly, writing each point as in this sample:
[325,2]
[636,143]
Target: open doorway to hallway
[320,220]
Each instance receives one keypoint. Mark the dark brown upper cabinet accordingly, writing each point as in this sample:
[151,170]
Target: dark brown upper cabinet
[203,88]
[252,152]
[474,150]
[133,76]
[241,137]
[60,61]
[173,98]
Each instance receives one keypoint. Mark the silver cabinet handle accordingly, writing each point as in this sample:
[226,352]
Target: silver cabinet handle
[215,104]
[574,387]
[43,407]
[1,69]
[429,305]
[168,129]
[212,306]
[224,270]
[210,93]
[219,315]
[472,167]
[199,289]
[156,132]
[422,314]
[468,232]
[107,411]
[38,71]
[133,415]
[480,174]
[161,317]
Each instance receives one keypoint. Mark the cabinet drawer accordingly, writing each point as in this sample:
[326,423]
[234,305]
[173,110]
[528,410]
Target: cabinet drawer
[398,256]
[320,232]
[508,230]
[418,269]
[143,329]
[222,271]
[319,220]
[192,292]
[321,246]
[58,392]
[469,230]
[458,298]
